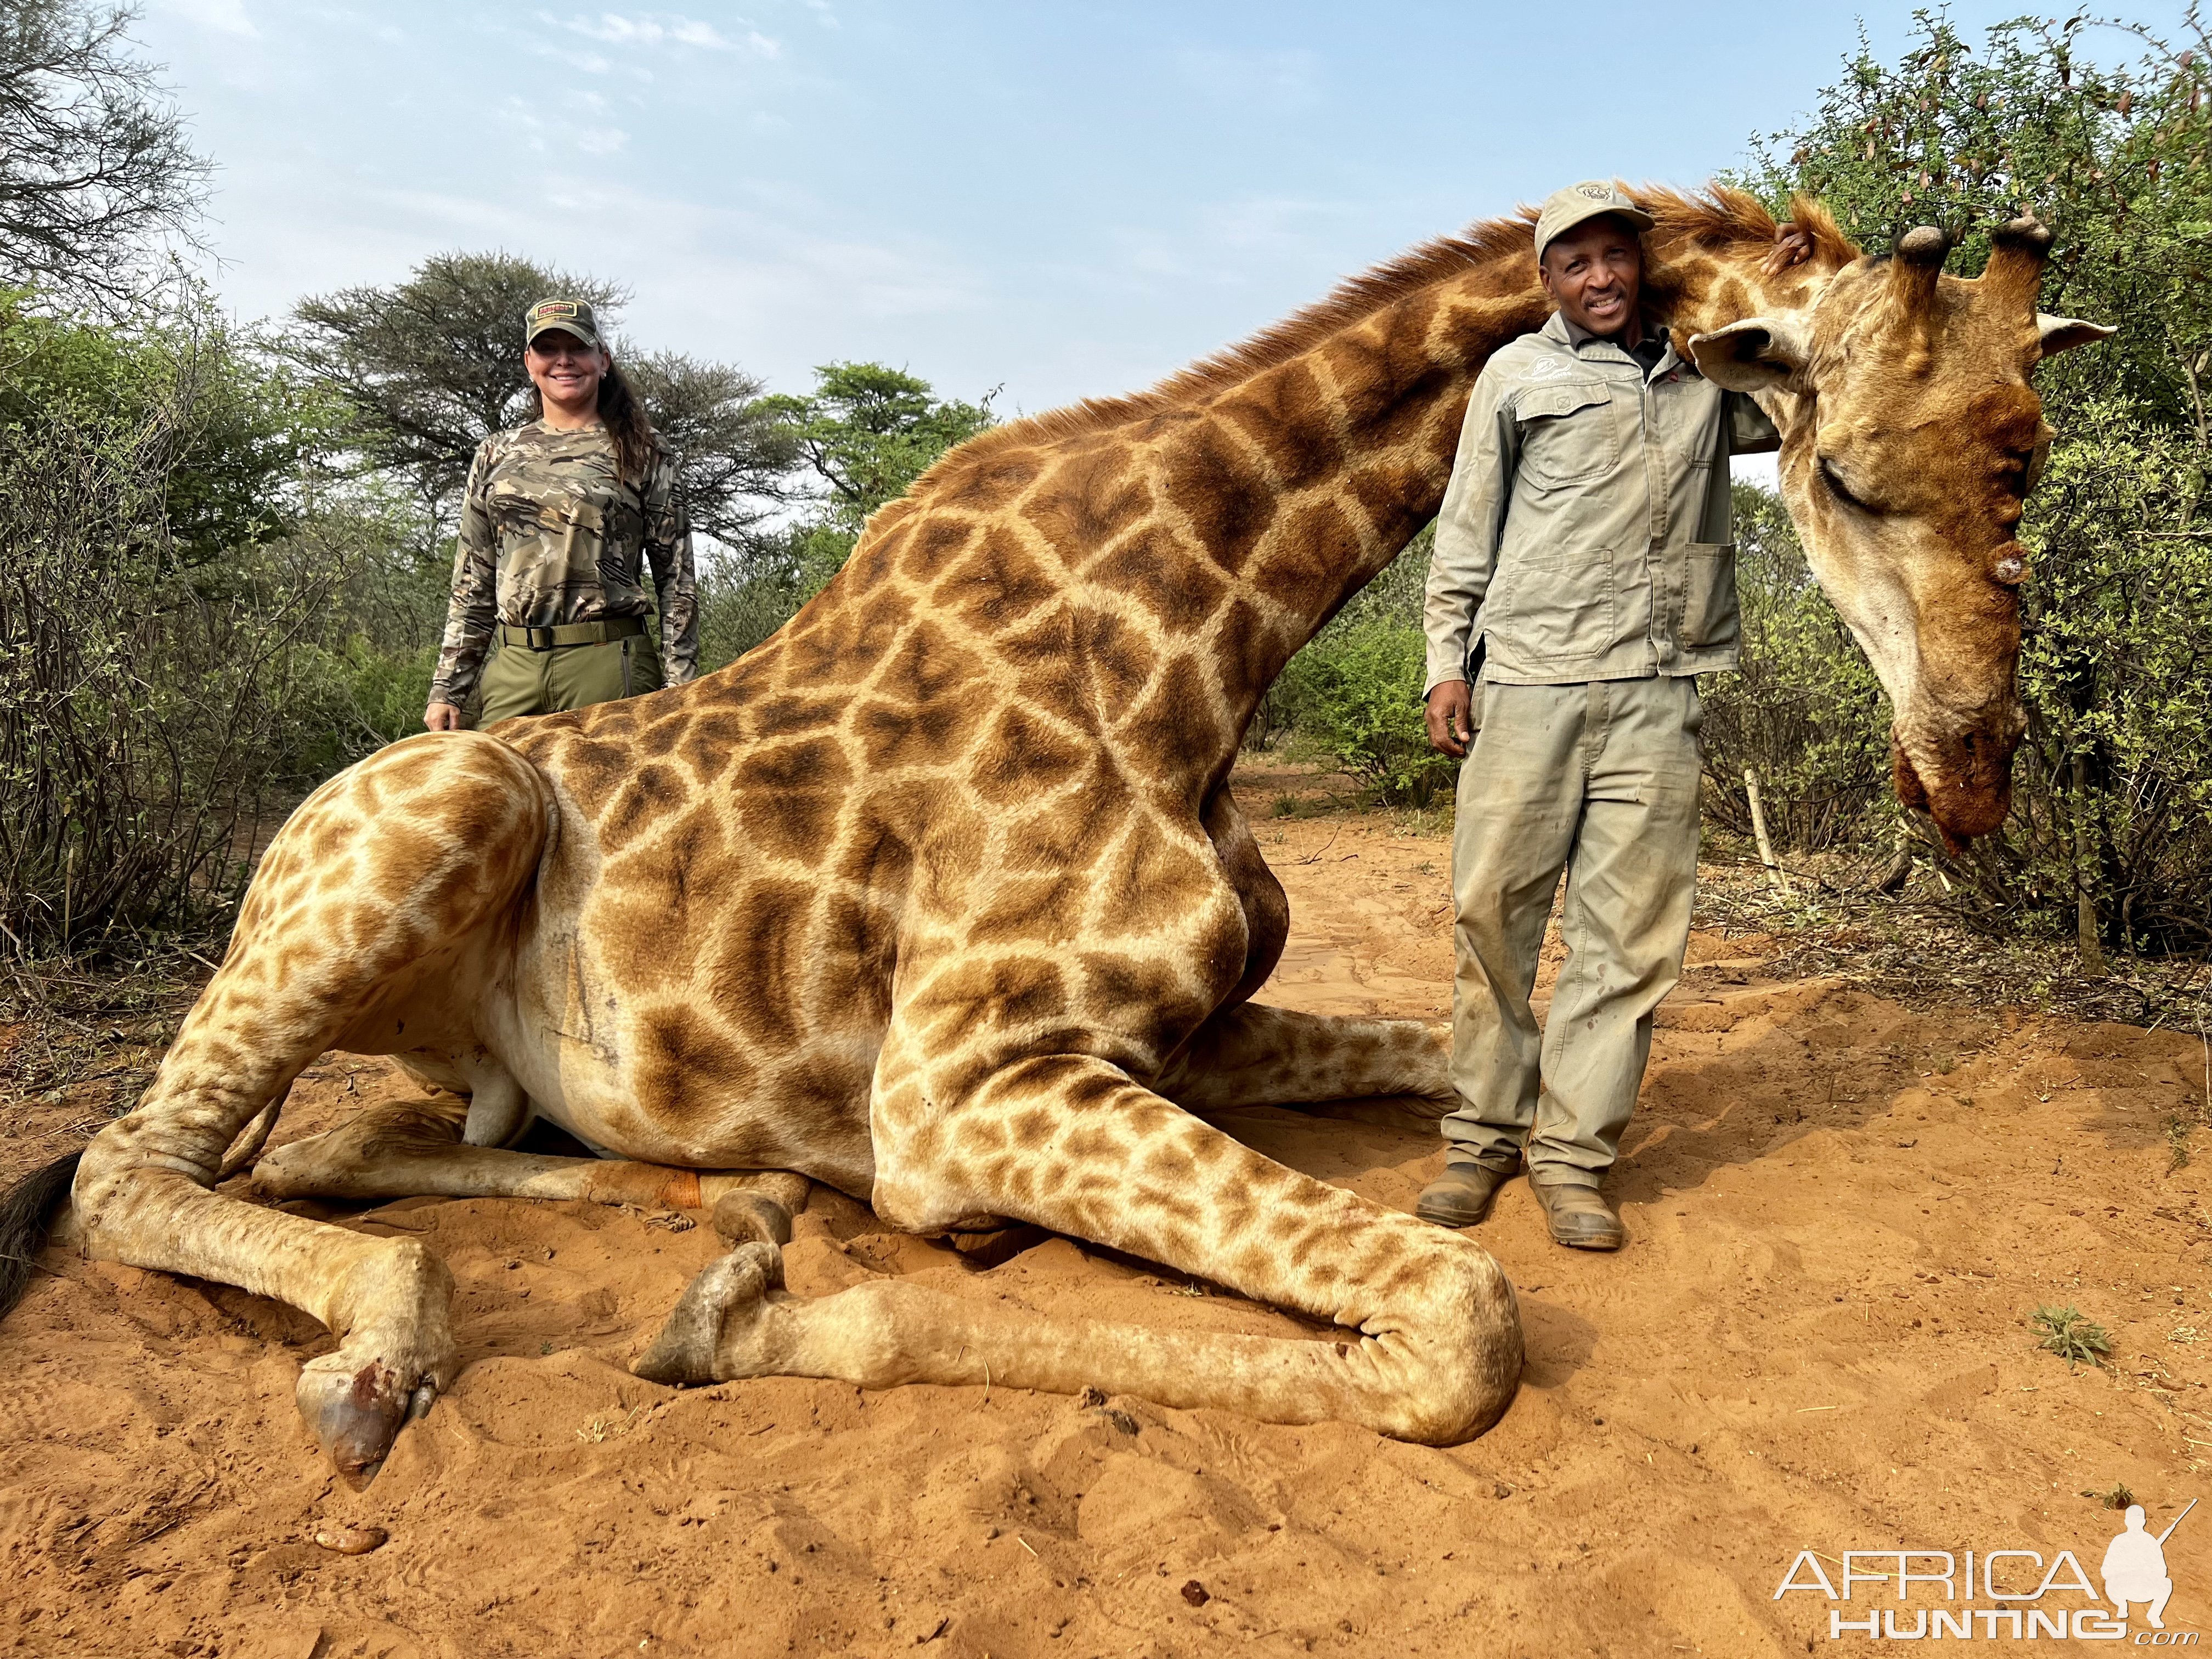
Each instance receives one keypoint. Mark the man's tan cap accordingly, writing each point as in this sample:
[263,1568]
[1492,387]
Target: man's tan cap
[1565,208]
[569,316]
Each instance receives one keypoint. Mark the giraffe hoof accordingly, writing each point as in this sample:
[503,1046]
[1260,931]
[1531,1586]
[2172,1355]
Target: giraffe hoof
[736,1286]
[745,1217]
[356,1411]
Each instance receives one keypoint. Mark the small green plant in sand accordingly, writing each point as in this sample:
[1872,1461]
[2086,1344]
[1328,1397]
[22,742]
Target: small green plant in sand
[2118,1498]
[2074,1338]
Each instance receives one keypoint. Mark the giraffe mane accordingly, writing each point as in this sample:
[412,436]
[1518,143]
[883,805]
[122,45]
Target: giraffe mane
[1719,216]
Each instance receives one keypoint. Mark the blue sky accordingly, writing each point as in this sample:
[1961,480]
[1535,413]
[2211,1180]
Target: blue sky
[1061,200]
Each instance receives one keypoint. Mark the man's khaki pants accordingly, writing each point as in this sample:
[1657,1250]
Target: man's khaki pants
[1600,780]
[520,681]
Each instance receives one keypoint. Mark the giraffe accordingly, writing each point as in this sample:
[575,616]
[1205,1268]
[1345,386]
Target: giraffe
[940,895]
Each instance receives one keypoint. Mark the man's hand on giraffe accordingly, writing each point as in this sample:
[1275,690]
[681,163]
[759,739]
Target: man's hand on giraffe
[1451,717]
[442,717]
[1793,246]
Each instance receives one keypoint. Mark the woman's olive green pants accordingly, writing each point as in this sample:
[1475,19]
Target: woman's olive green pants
[520,681]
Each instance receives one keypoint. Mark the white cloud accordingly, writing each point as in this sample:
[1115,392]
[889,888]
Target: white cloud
[654,30]
[1763,470]
[592,63]
[223,16]
[1228,245]
[537,133]
[518,115]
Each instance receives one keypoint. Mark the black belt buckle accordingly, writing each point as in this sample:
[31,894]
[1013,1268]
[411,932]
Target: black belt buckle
[534,637]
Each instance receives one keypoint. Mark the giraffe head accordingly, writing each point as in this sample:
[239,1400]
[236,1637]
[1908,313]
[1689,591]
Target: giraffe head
[1910,439]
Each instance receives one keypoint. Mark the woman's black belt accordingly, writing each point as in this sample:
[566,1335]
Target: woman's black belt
[582,633]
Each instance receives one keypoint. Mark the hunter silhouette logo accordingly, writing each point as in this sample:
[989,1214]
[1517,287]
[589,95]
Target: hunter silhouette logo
[2135,1568]
[2025,1598]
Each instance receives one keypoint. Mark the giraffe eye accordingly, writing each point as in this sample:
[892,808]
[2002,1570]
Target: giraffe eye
[1841,490]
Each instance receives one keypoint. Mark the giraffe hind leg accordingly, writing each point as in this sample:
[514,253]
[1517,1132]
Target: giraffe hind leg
[417,1149]
[382,880]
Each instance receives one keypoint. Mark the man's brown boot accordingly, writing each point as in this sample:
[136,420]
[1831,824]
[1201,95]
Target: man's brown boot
[1461,1196]
[1581,1218]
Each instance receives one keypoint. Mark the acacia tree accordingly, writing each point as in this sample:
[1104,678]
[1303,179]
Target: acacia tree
[2104,132]
[94,163]
[432,365]
[866,433]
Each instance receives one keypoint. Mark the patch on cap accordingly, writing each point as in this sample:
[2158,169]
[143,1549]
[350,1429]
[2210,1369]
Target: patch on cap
[569,316]
[1571,204]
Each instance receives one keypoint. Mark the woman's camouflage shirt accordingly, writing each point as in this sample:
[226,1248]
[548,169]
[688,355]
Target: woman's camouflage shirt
[550,534]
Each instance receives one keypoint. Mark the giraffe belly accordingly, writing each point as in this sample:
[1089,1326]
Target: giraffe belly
[638,1080]
[673,1000]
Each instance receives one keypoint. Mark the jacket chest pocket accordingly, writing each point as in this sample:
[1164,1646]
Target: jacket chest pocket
[1567,434]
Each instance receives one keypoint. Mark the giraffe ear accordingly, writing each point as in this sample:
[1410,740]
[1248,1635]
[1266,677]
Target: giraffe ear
[1760,354]
[2063,333]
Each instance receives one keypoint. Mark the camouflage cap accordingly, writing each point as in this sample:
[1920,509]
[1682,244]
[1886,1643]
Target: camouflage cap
[569,316]
[1565,208]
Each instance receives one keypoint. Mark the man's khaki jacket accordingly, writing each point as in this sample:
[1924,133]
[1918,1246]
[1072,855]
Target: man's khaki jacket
[1586,534]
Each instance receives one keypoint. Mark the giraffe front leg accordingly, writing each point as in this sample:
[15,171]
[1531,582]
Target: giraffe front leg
[1255,1055]
[1431,1349]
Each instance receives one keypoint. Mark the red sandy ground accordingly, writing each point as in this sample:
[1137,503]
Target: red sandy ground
[1841,1212]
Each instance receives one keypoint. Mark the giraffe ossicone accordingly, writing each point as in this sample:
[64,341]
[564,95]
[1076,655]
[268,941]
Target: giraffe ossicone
[940,895]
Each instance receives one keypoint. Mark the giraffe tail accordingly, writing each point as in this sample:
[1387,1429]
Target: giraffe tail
[26,1214]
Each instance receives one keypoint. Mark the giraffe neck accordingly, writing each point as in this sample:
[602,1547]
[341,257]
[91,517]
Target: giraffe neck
[1300,483]
[1308,479]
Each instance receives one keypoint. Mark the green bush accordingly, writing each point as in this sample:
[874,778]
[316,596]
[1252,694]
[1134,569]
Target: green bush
[2113,785]
[2070,1335]
[184,623]
[1356,694]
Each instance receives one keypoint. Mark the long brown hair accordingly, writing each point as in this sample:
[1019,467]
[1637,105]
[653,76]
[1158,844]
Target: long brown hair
[637,446]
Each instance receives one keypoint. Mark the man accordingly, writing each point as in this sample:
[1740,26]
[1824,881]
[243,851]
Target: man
[1583,562]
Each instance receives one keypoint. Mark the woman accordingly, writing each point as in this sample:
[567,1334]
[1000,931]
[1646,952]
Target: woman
[559,518]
